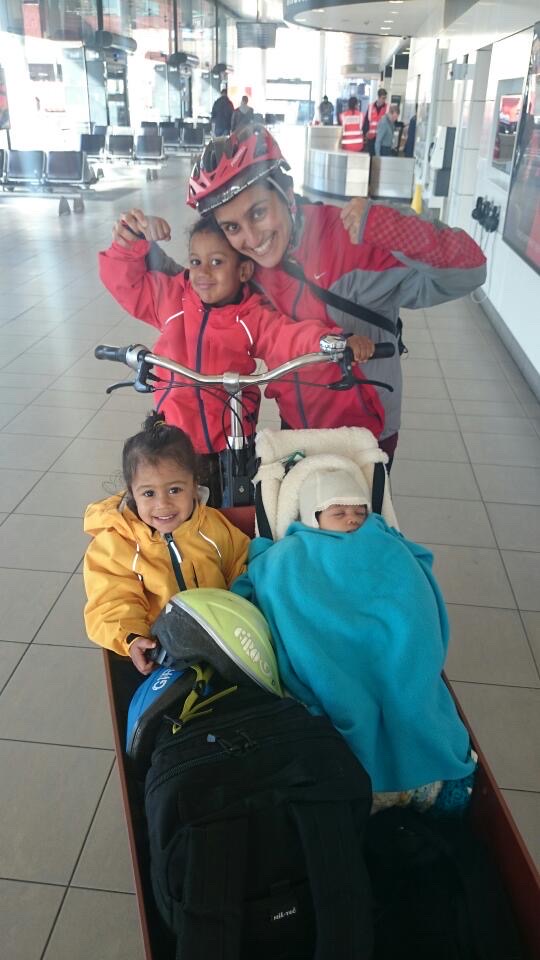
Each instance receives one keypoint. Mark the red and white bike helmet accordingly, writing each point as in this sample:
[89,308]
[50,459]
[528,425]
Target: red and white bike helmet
[228,165]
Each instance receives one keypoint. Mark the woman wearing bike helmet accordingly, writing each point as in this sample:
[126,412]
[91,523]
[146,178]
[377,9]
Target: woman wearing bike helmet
[303,253]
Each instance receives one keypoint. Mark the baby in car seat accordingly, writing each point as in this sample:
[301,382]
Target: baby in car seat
[361,634]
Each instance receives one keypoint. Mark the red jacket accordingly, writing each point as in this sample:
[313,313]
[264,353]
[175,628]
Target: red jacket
[400,260]
[212,340]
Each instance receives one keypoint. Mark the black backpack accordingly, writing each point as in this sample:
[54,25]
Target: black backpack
[437,895]
[256,812]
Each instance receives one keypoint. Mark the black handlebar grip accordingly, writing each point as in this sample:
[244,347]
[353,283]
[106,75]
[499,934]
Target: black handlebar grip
[383,350]
[104,352]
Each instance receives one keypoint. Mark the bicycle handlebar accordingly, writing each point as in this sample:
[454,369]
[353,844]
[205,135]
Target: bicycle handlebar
[332,348]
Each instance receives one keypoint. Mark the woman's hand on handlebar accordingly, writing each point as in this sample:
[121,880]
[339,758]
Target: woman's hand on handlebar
[352,214]
[128,228]
[362,347]
[138,649]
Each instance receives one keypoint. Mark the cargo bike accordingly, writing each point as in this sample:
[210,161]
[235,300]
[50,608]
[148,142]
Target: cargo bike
[488,813]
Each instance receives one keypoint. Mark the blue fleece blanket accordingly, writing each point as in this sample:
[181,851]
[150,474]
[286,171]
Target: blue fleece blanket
[361,633]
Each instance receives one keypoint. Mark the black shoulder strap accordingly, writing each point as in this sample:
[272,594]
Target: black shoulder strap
[175,560]
[340,303]
[377,488]
[212,912]
[260,514]
[338,879]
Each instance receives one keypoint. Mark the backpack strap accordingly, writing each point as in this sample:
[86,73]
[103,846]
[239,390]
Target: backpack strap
[260,514]
[338,879]
[377,488]
[212,911]
[340,303]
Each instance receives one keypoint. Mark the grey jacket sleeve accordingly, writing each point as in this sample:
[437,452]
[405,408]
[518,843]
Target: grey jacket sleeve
[159,261]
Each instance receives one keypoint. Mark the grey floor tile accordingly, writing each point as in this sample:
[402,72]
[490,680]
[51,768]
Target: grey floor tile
[465,348]
[524,393]
[73,384]
[505,721]
[432,445]
[419,335]
[65,494]
[513,426]
[525,808]
[8,412]
[41,838]
[524,573]
[50,421]
[105,862]
[511,485]
[503,450]
[424,387]
[58,398]
[25,599]
[489,408]
[419,368]
[490,390]
[10,654]
[30,363]
[432,405]
[24,454]
[453,308]
[472,575]
[426,421]
[489,645]
[516,526]
[94,925]
[106,425]
[14,484]
[421,349]
[472,370]
[57,695]
[532,626]
[19,395]
[27,914]
[64,625]
[87,456]
[461,522]
[432,479]
[41,543]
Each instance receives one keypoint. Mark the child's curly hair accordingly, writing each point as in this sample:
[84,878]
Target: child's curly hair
[157,441]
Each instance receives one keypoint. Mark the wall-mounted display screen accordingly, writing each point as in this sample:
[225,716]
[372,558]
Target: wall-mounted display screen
[522,223]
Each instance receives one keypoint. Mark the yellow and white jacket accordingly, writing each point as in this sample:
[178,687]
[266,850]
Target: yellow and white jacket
[128,573]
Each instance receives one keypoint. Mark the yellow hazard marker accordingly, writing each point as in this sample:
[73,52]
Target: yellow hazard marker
[416,202]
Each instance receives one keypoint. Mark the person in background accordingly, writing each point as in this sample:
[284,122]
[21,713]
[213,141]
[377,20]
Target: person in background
[384,141]
[326,112]
[374,113]
[242,115]
[352,121]
[221,115]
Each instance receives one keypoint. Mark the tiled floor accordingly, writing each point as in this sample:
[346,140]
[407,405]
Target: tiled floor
[466,481]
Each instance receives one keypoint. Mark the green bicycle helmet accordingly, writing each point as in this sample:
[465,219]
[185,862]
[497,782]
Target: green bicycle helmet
[222,629]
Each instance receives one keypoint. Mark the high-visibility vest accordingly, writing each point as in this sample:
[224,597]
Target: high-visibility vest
[374,117]
[352,137]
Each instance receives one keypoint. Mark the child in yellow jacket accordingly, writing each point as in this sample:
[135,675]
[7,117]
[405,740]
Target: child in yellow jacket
[153,540]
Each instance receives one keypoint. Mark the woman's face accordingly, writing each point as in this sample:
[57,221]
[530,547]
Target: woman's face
[258,224]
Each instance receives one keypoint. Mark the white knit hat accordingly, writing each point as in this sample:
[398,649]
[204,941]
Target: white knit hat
[324,488]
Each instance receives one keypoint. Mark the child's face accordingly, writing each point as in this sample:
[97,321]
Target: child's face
[164,494]
[342,519]
[215,269]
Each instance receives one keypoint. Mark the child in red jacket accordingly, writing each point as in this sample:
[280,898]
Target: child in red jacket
[210,320]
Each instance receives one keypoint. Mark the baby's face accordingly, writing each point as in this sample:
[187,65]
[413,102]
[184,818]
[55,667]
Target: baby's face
[342,519]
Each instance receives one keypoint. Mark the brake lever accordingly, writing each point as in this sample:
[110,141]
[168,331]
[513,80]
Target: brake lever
[121,383]
[348,379]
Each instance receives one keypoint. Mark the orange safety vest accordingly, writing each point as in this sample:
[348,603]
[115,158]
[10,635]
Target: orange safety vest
[352,137]
[374,118]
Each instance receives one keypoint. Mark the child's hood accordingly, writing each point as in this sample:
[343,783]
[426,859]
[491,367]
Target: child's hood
[112,513]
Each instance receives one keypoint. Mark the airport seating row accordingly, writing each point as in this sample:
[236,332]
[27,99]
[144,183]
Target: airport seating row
[43,170]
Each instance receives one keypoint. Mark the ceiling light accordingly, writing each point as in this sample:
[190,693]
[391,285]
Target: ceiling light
[388,21]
